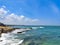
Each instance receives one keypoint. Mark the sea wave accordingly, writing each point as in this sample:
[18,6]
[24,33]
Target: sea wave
[37,27]
[8,39]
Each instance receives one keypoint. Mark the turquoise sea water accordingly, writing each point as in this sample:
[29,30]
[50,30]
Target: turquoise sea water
[47,35]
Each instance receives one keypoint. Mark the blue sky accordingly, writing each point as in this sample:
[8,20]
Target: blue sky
[43,12]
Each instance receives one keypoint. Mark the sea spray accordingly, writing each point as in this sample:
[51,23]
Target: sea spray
[18,30]
[9,39]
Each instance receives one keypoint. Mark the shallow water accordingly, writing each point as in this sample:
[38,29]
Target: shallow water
[47,35]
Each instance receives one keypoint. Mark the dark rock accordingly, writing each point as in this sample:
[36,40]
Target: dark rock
[19,32]
[1,24]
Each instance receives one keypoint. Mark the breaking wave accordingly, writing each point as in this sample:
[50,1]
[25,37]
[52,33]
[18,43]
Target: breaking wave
[37,27]
[9,39]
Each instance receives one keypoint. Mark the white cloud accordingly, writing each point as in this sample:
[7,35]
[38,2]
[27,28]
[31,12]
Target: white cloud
[16,19]
[3,12]
[3,6]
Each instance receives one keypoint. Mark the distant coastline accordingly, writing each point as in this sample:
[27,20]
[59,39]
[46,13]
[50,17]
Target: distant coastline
[30,25]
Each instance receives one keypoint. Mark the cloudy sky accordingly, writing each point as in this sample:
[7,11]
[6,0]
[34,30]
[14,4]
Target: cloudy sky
[30,12]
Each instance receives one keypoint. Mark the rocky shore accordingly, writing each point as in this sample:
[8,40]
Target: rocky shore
[6,29]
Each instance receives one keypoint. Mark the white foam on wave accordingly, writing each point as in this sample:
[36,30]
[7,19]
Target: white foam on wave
[34,27]
[23,31]
[8,39]
[15,31]
[41,27]
[37,27]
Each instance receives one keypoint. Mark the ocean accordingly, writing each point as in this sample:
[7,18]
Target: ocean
[39,35]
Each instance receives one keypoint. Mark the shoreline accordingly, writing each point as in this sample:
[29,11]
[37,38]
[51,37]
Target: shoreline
[7,29]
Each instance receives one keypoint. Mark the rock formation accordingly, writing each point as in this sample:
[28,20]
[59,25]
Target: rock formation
[4,28]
